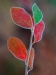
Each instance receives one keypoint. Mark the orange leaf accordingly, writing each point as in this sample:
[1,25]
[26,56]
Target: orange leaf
[31,58]
[17,48]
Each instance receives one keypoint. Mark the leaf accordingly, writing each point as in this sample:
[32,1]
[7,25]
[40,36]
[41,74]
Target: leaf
[21,17]
[17,48]
[31,59]
[38,31]
[37,14]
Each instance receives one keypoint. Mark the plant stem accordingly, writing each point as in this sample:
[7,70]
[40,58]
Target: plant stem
[26,68]
[30,47]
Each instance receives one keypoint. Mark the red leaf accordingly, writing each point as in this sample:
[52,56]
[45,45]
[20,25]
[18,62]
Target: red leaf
[38,31]
[17,48]
[31,59]
[21,17]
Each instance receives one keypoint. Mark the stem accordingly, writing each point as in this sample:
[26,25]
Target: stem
[26,68]
[30,47]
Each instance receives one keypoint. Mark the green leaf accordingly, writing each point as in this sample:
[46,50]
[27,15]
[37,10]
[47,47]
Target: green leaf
[37,14]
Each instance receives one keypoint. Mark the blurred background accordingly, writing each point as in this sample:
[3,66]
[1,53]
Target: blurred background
[45,50]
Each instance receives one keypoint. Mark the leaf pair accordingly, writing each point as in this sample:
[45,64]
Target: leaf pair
[18,49]
[24,20]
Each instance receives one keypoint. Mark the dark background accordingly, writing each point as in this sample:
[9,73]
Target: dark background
[45,50]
